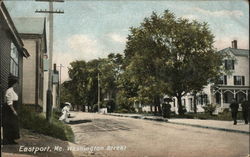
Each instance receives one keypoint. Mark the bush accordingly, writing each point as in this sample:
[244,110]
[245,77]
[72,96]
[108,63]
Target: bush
[226,115]
[37,122]
[210,108]
[110,104]
[186,115]
[122,111]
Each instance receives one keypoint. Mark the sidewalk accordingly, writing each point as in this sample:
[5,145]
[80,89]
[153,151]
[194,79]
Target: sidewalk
[49,147]
[208,124]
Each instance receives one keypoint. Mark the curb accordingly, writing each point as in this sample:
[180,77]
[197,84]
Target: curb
[185,124]
[210,127]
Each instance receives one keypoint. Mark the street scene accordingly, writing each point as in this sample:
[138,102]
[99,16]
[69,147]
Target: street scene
[132,78]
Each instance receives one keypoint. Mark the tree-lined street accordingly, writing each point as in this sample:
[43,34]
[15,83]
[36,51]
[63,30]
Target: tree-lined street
[136,78]
[155,139]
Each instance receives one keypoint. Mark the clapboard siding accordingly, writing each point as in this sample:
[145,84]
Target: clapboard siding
[5,47]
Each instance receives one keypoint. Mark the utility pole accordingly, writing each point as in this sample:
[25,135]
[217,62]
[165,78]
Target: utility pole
[51,22]
[98,103]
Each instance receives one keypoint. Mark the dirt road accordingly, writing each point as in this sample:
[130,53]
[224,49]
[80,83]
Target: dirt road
[117,136]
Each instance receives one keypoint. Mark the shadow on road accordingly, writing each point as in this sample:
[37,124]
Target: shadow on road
[80,121]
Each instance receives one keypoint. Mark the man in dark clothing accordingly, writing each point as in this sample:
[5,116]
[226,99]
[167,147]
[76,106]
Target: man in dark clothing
[234,109]
[166,108]
[245,110]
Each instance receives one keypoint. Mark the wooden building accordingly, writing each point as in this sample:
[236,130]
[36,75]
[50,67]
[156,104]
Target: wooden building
[33,34]
[12,52]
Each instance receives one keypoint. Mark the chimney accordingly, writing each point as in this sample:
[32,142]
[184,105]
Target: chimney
[234,44]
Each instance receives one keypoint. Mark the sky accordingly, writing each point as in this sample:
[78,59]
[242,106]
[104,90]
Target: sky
[91,29]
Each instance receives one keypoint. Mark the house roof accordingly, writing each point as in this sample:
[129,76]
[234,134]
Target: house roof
[11,27]
[30,25]
[236,52]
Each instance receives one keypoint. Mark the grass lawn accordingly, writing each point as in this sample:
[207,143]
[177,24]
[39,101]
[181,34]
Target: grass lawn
[36,122]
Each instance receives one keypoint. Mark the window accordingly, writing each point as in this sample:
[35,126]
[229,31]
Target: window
[183,102]
[223,80]
[203,99]
[239,80]
[191,104]
[40,86]
[229,64]
[14,60]
[218,98]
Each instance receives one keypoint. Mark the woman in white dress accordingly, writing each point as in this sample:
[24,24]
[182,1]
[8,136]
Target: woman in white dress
[65,113]
[10,119]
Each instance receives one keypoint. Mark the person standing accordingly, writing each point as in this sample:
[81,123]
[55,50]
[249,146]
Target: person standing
[166,108]
[10,116]
[245,110]
[234,110]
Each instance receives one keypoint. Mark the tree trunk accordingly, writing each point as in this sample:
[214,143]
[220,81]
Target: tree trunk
[180,109]
[151,108]
[157,105]
[195,105]
[83,108]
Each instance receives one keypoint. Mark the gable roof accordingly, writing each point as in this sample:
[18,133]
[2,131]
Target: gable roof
[30,25]
[236,52]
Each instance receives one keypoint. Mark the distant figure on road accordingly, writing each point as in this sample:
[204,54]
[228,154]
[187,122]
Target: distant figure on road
[245,110]
[234,109]
[166,108]
[65,113]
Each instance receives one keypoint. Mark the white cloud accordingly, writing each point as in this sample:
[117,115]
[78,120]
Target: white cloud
[234,13]
[80,47]
[117,37]
[88,48]
[190,17]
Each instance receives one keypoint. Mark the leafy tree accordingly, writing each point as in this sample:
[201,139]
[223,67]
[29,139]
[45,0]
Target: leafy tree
[77,85]
[66,94]
[173,56]
[83,86]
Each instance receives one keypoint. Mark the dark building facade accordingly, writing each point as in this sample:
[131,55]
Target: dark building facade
[11,53]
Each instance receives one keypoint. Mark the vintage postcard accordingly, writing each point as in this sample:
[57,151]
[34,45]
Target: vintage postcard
[124,78]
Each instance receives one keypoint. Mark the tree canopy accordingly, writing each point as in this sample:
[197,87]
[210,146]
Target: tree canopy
[173,56]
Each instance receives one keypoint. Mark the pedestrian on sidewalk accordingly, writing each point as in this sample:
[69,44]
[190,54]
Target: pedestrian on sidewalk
[234,110]
[245,110]
[10,119]
[65,113]
[166,108]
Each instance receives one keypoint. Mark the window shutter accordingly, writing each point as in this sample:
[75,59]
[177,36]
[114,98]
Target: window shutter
[226,64]
[234,80]
[243,80]
[233,64]
[225,79]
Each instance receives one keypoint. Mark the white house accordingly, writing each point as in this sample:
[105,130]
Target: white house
[233,85]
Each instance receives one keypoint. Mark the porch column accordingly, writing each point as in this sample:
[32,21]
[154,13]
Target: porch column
[221,99]
[246,94]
